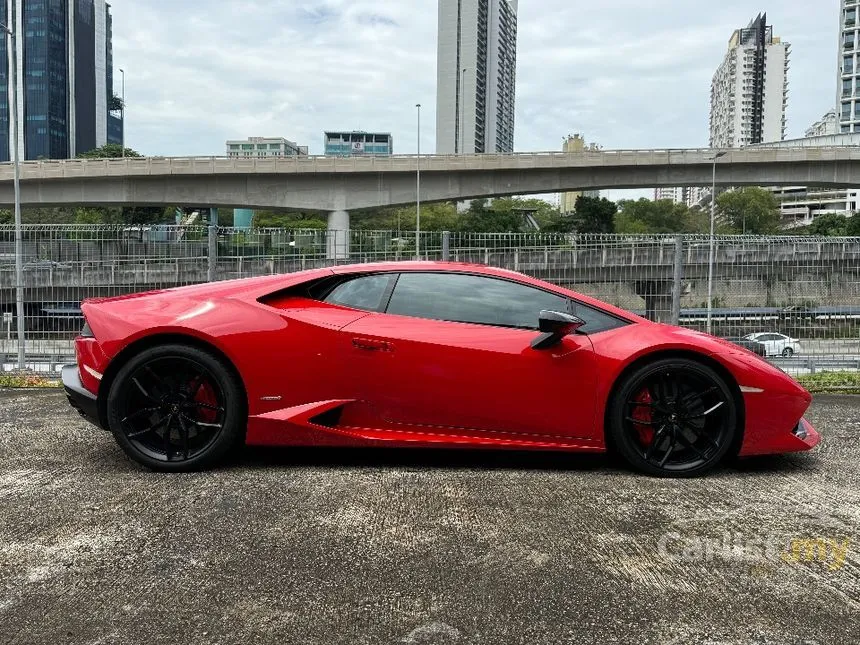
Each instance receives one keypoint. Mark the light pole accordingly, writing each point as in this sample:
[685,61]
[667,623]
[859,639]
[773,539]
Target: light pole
[463,111]
[122,112]
[418,190]
[19,245]
[711,240]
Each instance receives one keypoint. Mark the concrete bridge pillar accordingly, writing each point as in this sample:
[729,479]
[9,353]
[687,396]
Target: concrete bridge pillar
[658,295]
[337,235]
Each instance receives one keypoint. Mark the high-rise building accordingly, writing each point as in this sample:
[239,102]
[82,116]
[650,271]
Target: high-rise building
[66,103]
[749,91]
[826,125]
[848,99]
[348,144]
[676,195]
[800,205]
[574,144]
[265,147]
[476,76]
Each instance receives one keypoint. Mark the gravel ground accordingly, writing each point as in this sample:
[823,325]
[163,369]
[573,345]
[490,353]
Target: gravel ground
[378,547]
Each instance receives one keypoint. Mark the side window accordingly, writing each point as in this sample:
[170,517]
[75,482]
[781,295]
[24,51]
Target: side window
[366,292]
[596,321]
[471,299]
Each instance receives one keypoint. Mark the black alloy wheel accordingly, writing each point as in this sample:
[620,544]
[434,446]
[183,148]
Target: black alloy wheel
[674,418]
[176,408]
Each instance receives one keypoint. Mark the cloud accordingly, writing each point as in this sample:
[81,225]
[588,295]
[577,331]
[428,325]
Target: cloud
[627,74]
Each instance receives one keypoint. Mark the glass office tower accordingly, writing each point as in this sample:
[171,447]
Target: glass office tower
[65,81]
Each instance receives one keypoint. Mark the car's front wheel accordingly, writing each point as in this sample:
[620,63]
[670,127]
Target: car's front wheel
[176,408]
[673,417]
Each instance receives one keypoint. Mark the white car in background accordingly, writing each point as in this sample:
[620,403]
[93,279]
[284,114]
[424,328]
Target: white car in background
[776,344]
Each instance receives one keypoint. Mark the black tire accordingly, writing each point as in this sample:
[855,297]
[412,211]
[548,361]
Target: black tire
[673,417]
[177,408]
[788,352]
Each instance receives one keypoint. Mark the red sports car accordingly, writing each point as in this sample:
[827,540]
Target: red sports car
[420,354]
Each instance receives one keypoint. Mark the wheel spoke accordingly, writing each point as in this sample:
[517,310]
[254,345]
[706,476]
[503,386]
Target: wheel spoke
[201,424]
[166,437]
[658,436]
[689,398]
[701,433]
[184,437]
[152,428]
[139,413]
[142,390]
[713,408]
[160,384]
[670,387]
[689,444]
[669,450]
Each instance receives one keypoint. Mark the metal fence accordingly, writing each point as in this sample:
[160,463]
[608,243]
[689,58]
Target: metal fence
[804,288]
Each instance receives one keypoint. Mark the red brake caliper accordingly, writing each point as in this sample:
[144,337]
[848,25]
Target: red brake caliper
[206,395]
[643,413]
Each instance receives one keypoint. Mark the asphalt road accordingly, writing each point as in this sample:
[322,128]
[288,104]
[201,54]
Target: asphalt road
[437,548]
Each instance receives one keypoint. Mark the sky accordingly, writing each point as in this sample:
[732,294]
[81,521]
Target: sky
[625,74]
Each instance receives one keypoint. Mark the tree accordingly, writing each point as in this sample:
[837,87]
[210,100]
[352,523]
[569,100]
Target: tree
[268,219]
[486,218]
[98,216]
[594,215]
[662,216]
[828,224]
[108,151]
[852,225]
[750,210]
[834,224]
[440,216]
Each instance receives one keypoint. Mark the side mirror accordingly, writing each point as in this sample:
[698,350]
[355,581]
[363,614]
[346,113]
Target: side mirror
[555,325]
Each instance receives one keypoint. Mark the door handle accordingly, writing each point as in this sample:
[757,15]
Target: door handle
[372,345]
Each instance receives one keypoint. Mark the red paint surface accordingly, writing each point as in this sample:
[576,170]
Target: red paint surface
[409,382]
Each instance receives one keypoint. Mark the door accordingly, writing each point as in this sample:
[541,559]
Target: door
[772,343]
[304,363]
[453,352]
[780,343]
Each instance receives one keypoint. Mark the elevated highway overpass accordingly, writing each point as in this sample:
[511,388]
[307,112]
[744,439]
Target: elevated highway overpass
[342,184]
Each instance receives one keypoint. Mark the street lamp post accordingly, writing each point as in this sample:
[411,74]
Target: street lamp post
[122,112]
[19,244]
[711,241]
[418,190]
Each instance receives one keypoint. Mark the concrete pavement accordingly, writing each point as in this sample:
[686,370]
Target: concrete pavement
[331,547]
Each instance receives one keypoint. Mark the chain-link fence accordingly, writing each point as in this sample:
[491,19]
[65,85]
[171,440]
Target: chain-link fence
[800,294]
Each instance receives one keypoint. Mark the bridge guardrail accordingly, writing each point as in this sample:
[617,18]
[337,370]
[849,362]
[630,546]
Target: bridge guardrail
[157,165]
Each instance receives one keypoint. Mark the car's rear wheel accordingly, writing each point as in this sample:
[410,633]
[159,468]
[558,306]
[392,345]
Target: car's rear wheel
[674,418]
[176,408]
[788,352]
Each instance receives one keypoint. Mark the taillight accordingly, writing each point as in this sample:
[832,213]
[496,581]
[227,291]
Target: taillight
[86,332]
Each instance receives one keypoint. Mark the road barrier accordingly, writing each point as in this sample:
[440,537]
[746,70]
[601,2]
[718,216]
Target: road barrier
[807,288]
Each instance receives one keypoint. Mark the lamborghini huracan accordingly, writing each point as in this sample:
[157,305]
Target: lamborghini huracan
[420,354]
